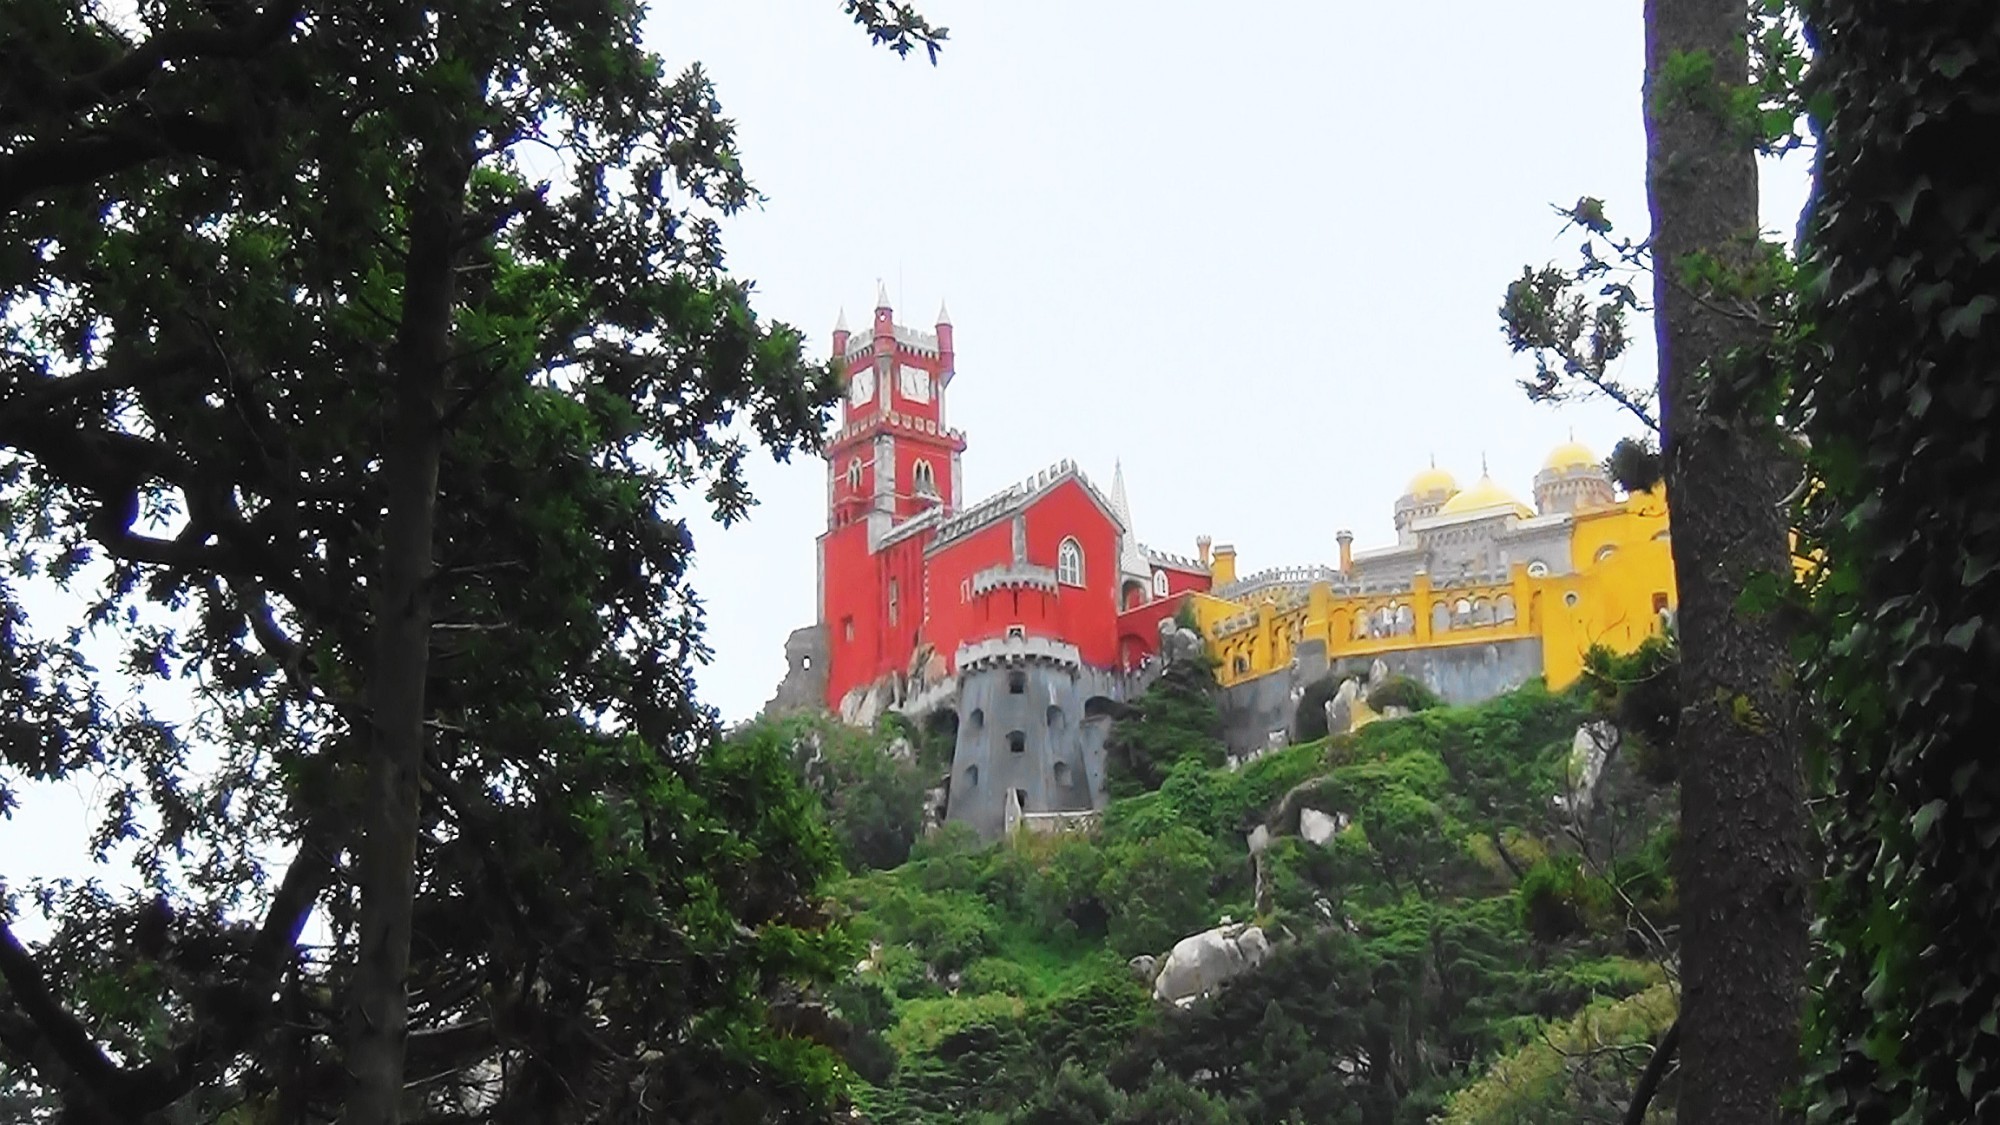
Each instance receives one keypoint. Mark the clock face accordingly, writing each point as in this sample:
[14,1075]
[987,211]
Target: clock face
[916,383]
[861,387]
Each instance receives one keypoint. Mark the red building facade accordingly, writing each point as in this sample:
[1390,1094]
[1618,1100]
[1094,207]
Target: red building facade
[909,573]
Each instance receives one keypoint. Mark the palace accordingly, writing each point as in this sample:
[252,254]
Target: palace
[1477,593]
[1026,617]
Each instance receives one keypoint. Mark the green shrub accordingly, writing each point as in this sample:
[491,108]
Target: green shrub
[1558,899]
[1404,692]
[990,974]
[1157,891]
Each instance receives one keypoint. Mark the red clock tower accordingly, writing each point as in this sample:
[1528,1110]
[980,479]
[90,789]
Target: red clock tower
[892,470]
[893,456]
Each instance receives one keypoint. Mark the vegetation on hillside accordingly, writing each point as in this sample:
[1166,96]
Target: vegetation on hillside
[1457,922]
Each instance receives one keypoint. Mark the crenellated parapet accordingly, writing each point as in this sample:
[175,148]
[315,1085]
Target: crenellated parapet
[1012,652]
[1285,576]
[1169,559]
[1014,576]
[976,516]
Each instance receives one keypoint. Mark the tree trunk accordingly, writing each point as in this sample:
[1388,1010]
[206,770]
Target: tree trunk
[1742,858]
[379,1004]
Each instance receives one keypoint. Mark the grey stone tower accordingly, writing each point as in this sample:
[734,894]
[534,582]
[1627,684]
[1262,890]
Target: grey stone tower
[1031,726]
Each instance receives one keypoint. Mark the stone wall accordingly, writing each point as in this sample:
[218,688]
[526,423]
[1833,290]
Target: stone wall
[804,686]
[1459,674]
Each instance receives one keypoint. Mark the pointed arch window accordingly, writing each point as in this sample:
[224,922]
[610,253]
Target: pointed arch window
[924,479]
[854,473]
[1069,563]
[1159,583]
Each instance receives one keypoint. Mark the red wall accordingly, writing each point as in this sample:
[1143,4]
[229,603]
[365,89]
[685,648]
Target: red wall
[849,593]
[1086,616]
[957,617]
[933,605]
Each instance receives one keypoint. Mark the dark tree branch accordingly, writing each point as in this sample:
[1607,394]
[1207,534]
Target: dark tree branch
[1656,1070]
[135,139]
[259,33]
[64,1034]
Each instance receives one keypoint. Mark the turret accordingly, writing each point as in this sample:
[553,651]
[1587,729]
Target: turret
[840,335]
[885,322]
[1201,546]
[945,354]
[1223,570]
[1346,541]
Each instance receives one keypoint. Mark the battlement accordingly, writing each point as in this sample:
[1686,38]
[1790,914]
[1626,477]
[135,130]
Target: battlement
[976,516]
[1278,577]
[1008,652]
[1014,576]
[897,420]
[1178,562]
[912,339]
[929,517]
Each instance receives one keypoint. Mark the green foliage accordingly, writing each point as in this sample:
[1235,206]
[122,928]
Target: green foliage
[1175,720]
[1395,941]
[1640,692]
[1156,890]
[873,800]
[1581,1069]
[1404,692]
[1558,900]
[1898,400]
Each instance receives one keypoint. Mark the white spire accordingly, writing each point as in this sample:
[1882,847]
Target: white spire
[840,322]
[944,314]
[881,295]
[1131,557]
[1120,506]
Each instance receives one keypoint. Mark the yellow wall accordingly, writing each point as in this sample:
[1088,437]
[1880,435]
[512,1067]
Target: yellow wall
[1622,560]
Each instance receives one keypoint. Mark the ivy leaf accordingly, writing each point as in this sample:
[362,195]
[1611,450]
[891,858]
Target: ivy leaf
[1962,634]
[1920,824]
[1953,63]
[1964,320]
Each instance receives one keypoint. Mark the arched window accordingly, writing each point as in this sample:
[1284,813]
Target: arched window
[854,473]
[1440,618]
[1538,569]
[924,478]
[1069,563]
[1504,607]
[1159,583]
[1406,620]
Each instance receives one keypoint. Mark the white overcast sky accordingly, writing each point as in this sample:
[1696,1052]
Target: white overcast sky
[1253,250]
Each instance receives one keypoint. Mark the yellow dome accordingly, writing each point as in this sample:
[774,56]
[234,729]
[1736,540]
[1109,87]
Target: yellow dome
[1570,455]
[1482,496]
[1431,480]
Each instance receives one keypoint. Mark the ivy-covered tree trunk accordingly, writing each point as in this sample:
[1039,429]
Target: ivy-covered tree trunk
[1899,396]
[379,1005]
[1742,862]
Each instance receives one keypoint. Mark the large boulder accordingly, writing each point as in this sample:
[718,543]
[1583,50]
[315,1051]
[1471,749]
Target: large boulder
[1316,827]
[1199,964]
[1589,752]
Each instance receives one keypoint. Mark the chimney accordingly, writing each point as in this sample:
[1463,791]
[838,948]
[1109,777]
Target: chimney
[1346,541]
[1223,570]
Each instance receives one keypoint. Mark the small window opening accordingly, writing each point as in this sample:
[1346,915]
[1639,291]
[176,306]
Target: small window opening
[1017,683]
[1017,742]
